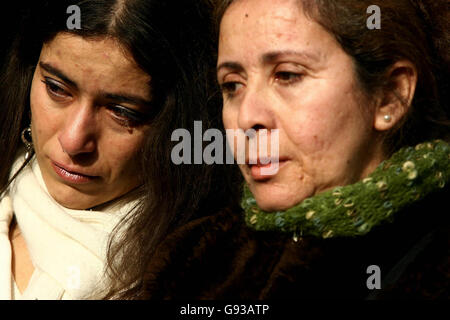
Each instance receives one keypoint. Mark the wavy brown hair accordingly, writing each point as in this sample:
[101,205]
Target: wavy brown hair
[414,30]
[172,41]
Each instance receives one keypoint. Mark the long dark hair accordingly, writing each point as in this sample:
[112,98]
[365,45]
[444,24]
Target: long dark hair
[173,42]
[415,30]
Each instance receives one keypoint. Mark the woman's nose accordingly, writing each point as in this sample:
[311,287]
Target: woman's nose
[79,132]
[255,111]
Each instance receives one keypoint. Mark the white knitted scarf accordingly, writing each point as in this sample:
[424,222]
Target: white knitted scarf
[67,247]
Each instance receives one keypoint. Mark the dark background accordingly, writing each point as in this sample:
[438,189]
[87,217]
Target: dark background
[11,12]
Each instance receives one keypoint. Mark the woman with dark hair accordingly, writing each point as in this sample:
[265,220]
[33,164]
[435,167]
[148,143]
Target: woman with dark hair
[87,182]
[357,206]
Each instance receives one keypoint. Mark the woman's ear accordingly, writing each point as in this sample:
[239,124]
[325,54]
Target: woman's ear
[395,103]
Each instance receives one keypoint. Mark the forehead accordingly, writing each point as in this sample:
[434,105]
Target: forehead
[101,61]
[269,24]
[244,11]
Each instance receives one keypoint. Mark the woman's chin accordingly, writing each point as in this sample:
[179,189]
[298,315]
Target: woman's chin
[271,202]
[72,198]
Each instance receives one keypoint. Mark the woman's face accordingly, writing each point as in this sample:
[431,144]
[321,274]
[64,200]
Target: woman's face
[88,99]
[280,70]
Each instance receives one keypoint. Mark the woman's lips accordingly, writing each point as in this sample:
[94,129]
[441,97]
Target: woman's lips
[70,176]
[261,172]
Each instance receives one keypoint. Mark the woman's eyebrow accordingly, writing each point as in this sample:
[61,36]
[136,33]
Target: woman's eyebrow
[127,98]
[271,57]
[235,66]
[58,73]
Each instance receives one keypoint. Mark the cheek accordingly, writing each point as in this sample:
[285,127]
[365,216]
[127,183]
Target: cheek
[123,154]
[229,117]
[321,119]
[35,100]
[230,122]
[44,120]
[311,132]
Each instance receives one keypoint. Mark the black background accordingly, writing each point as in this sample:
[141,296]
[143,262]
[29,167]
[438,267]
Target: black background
[11,13]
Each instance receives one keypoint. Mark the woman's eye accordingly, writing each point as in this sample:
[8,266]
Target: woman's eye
[54,89]
[287,77]
[126,116]
[229,88]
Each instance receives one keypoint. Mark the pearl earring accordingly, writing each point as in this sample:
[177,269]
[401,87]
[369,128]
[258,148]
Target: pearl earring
[387,118]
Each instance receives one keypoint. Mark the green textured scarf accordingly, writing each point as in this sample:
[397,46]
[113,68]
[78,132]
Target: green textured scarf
[408,176]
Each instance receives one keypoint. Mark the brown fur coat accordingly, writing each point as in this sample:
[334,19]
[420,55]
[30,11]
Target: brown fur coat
[218,257]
